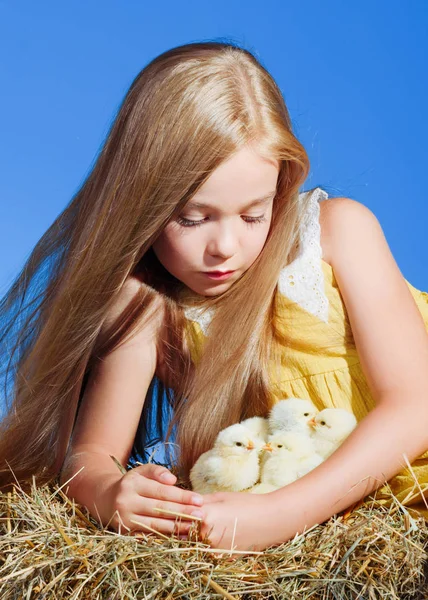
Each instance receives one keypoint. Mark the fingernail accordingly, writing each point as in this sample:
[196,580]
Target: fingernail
[167,477]
[197,500]
[197,513]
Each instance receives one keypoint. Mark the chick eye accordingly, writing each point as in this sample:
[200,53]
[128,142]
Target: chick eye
[279,446]
[306,415]
[322,422]
[238,443]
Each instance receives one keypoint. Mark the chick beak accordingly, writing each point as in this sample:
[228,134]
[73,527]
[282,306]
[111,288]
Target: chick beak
[312,423]
[250,446]
[267,447]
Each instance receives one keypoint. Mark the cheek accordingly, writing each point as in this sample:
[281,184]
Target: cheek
[181,248]
[257,241]
[175,250]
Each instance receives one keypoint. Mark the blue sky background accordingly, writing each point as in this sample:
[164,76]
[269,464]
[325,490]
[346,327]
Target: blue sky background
[353,76]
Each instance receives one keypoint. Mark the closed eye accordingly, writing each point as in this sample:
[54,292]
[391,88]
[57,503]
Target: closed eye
[189,223]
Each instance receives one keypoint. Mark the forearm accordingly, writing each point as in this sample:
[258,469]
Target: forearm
[91,487]
[371,455]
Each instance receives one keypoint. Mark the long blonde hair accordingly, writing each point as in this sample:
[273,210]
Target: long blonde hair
[185,113]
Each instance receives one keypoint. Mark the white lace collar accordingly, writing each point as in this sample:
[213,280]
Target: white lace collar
[302,281]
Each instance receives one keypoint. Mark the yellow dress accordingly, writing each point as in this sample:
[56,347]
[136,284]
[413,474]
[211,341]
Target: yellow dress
[314,311]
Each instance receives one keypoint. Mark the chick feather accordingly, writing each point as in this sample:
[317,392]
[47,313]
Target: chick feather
[257,425]
[232,465]
[262,488]
[330,427]
[292,455]
[292,414]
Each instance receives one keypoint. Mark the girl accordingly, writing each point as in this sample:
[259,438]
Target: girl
[200,174]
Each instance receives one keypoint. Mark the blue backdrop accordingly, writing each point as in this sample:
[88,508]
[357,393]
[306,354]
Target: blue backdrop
[353,76]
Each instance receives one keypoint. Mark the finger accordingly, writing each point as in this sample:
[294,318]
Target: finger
[156,472]
[172,510]
[170,493]
[157,525]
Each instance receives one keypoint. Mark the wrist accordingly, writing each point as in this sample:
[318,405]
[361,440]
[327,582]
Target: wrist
[104,497]
[290,511]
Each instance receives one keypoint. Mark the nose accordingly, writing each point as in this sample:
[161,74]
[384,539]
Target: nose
[224,240]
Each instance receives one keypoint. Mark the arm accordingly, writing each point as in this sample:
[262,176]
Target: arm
[106,425]
[392,343]
[90,486]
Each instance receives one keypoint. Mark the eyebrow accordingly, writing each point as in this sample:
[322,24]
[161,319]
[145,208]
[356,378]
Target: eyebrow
[255,202]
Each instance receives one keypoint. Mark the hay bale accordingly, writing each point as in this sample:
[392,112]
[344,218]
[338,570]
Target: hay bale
[50,547]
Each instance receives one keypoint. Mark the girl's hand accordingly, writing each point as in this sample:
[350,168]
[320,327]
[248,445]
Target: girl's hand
[257,523]
[143,489]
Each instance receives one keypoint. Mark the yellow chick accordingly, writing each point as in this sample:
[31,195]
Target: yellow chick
[291,454]
[330,427]
[257,425]
[292,414]
[262,488]
[232,465]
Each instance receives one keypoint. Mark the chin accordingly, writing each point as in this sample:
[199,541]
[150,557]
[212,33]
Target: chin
[219,289]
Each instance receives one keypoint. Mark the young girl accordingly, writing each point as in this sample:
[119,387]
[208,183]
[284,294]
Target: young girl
[200,174]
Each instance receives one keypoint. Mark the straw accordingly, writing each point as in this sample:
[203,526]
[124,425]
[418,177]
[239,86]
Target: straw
[51,547]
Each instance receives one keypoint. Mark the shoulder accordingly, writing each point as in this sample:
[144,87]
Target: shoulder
[131,290]
[343,220]
[127,293]
[389,333]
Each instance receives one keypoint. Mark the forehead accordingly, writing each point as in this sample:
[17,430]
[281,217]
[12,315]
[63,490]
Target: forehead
[244,177]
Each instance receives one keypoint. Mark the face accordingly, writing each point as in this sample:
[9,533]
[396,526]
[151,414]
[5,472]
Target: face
[226,233]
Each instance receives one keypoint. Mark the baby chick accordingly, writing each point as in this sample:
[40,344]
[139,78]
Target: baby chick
[329,429]
[262,488]
[292,414]
[257,425]
[292,454]
[232,465]
[289,455]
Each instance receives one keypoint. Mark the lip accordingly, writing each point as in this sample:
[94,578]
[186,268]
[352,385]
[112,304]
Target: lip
[218,274]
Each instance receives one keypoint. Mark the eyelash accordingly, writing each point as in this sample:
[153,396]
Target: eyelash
[188,223]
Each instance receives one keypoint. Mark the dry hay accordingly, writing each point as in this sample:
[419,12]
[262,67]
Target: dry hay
[50,547]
